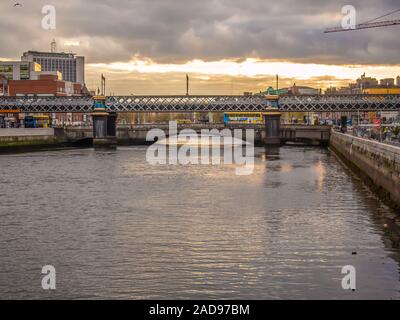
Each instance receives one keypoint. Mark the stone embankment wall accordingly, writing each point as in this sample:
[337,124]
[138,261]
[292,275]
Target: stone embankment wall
[379,163]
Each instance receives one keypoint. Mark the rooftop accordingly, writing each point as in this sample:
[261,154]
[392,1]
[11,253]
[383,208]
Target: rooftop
[54,54]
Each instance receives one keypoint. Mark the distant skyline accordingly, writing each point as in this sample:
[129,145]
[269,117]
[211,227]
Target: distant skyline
[226,46]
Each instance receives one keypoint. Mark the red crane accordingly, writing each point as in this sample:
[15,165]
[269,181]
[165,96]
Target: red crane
[369,24]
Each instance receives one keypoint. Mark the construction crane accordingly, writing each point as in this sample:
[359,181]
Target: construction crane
[369,24]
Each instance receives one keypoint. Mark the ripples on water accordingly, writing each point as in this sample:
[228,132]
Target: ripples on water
[115,227]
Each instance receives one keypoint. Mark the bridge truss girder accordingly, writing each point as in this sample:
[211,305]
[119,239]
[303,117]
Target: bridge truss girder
[47,104]
[318,103]
[189,104]
[339,103]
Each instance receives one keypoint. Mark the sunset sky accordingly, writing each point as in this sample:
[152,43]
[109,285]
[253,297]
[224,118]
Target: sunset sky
[226,46]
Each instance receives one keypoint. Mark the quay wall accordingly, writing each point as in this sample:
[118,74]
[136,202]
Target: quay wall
[377,163]
[136,134]
[25,139]
[26,133]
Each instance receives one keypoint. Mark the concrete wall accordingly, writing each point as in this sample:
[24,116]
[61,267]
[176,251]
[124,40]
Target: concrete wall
[78,133]
[22,140]
[136,134]
[139,133]
[379,163]
[26,132]
[316,135]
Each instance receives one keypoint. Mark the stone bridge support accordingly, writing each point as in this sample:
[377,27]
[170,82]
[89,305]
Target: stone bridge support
[272,122]
[104,126]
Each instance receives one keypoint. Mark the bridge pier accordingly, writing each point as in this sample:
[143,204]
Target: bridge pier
[343,122]
[272,122]
[104,126]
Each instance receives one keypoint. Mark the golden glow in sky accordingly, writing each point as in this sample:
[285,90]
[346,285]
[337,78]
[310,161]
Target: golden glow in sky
[318,75]
[250,68]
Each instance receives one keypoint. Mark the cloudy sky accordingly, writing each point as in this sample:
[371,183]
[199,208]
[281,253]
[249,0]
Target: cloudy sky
[227,46]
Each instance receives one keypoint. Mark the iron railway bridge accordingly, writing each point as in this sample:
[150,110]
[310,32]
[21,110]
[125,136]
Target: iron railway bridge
[311,103]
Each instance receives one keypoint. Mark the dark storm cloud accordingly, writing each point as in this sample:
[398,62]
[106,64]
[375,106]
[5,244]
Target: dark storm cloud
[181,30]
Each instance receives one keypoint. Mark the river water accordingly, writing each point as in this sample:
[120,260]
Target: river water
[115,227]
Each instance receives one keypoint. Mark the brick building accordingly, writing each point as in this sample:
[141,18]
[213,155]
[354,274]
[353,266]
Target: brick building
[49,85]
[46,85]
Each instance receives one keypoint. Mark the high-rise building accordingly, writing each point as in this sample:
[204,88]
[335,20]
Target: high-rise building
[71,66]
[80,69]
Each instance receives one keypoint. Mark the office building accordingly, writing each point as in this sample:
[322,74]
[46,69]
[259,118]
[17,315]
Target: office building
[19,70]
[3,85]
[71,66]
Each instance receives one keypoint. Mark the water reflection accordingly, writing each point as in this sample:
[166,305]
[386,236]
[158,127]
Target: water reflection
[320,172]
[116,227]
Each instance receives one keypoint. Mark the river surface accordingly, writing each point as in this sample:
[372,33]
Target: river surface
[116,227]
